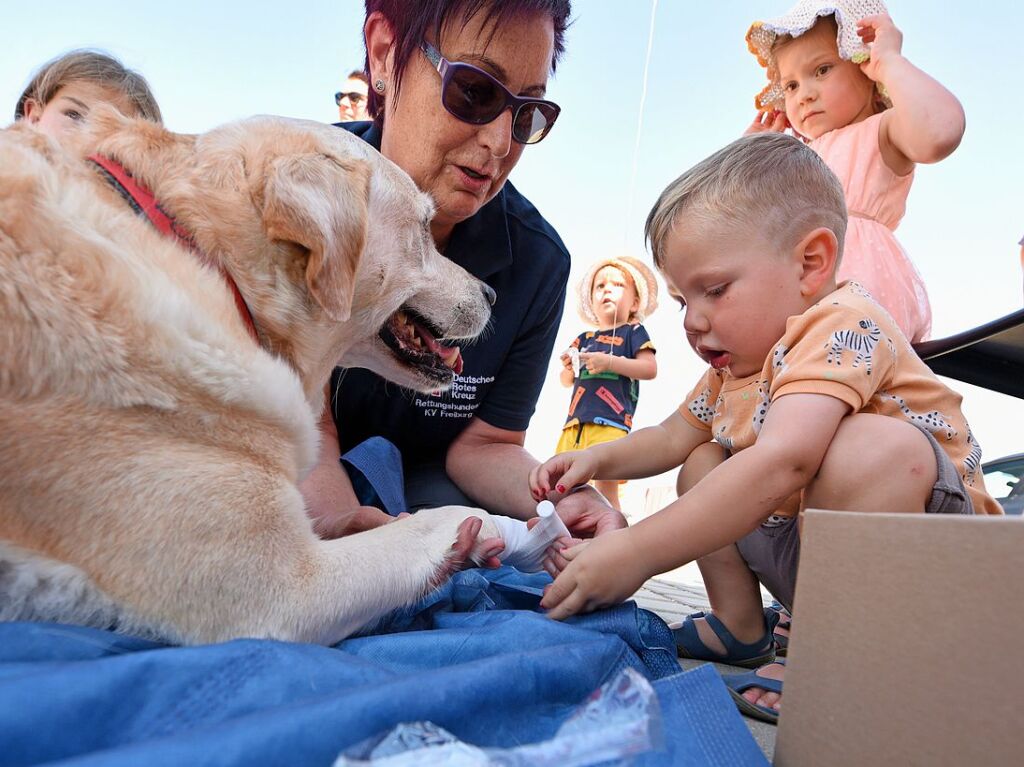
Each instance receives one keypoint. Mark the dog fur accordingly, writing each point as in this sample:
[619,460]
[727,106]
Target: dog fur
[150,449]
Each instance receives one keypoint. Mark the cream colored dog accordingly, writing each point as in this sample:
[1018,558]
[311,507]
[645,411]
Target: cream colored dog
[150,446]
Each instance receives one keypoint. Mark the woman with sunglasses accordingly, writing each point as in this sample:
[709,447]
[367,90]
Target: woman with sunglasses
[457,92]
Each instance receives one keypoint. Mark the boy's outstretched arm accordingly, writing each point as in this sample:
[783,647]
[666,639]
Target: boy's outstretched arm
[926,121]
[723,507]
[642,453]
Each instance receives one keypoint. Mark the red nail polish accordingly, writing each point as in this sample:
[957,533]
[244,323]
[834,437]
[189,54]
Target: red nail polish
[561,488]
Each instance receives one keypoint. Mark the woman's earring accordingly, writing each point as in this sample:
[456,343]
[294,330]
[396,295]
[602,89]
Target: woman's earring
[379,86]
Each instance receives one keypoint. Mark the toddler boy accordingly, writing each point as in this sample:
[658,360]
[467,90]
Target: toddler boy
[813,399]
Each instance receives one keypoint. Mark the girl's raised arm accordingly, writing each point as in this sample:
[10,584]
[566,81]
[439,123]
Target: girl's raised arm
[926,121]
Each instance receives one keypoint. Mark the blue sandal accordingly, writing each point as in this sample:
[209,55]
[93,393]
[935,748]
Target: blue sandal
[785,622]
[689,644]
[739,683]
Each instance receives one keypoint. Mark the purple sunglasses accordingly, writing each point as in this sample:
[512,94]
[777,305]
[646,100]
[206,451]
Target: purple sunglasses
[473,96]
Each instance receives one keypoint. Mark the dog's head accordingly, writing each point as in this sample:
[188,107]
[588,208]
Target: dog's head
[329,242]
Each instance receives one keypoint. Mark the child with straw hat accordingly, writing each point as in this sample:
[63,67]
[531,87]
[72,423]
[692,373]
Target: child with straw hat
[605,365]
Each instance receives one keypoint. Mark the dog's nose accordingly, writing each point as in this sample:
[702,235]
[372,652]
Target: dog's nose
[489,293]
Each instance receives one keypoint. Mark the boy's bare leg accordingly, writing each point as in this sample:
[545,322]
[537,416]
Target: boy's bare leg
[732,588]
[874,464]
[609,488]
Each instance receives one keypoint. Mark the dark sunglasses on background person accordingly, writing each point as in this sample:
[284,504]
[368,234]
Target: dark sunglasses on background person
[473,96]
[354,98]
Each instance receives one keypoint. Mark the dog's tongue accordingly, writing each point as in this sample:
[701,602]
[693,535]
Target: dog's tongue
[454,359]
[450,355]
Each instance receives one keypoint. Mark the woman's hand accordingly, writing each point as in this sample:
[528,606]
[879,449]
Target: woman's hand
[561,473]
[466,548]
[601,573]
[885,41]
[597,362]
[772,121]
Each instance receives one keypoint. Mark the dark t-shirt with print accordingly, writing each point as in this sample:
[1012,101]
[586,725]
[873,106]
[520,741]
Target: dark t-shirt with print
[607,398]
[510,246]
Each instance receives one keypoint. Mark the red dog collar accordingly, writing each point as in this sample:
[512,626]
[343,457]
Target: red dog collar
[145,204]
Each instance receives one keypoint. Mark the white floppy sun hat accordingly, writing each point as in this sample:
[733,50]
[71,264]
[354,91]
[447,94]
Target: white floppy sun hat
[643,279]
[801,17]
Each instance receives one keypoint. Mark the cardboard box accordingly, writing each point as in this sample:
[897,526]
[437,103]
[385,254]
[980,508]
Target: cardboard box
[908,642]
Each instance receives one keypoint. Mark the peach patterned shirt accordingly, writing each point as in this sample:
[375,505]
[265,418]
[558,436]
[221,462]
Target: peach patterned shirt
[845,346]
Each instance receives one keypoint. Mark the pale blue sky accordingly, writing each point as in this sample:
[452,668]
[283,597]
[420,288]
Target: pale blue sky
[213,62]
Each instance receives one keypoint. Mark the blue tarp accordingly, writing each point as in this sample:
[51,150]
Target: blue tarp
[474,657]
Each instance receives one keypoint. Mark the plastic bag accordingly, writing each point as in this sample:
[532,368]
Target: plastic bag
[621,719]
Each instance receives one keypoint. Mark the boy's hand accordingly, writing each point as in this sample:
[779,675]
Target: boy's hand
[884,39]
[601,573]
[596,362]
[587,515]
[773,121]
[566,360]
[562,473]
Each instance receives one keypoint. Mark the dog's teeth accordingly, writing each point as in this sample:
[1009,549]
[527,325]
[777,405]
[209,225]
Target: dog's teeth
[451,356]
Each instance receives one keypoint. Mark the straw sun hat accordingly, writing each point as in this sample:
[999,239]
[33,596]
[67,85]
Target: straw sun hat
[643,279]
[797,20]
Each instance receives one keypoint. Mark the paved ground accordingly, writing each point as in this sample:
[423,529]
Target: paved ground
[675,595]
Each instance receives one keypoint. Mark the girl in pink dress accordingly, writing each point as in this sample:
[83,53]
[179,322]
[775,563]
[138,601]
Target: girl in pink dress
[826,65]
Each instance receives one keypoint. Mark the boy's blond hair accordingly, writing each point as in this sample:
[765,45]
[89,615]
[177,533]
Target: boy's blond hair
[94,67]
[768,182]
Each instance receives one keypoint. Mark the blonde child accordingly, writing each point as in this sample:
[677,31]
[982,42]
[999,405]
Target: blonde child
[59,96]
[838,78]
[813,398]
[605,365]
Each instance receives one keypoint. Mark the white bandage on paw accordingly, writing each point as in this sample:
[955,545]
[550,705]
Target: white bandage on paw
[525,549]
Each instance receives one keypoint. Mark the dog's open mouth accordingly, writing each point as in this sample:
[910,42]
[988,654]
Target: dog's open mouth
[413,340]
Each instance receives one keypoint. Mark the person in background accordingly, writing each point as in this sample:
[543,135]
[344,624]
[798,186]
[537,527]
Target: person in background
[604,365]
[838,78]
[58,98]
[351,99]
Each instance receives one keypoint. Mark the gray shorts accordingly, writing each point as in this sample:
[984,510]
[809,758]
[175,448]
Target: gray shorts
[773,552]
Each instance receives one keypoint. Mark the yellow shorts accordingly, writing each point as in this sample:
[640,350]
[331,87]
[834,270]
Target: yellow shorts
[580,436]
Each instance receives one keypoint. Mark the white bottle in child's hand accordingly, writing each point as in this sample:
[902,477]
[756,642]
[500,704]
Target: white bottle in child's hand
[574,360]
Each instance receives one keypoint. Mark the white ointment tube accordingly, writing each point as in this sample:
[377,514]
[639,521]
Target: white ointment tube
[525,549]
[550,525]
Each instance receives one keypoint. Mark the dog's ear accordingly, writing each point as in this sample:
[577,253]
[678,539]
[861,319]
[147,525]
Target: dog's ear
[320,203]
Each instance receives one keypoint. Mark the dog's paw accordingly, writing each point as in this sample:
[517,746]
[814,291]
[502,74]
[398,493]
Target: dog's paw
[465,537]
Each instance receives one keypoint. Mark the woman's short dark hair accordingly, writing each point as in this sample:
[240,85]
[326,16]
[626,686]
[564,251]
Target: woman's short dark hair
[413,20]
[358,74]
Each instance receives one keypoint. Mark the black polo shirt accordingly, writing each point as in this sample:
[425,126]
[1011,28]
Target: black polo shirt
[510,246]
